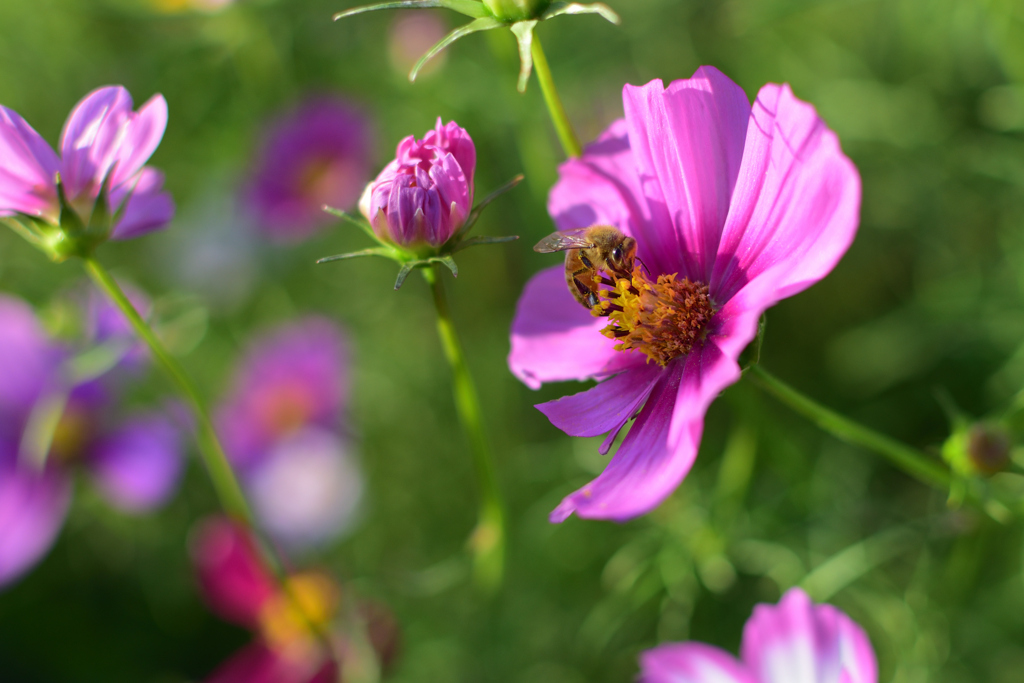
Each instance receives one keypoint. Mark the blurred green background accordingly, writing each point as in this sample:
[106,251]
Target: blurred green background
[927,97]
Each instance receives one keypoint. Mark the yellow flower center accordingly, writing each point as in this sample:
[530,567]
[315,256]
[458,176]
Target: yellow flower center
[284,408]
[662,319]
[288,620]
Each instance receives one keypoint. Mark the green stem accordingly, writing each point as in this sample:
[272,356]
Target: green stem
[910,460]
[566,134]
[488,540]
[224,481]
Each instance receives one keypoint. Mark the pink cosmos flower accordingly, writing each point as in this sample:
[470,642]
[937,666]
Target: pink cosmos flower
[734,207]
[318,154]
[103,139]
[795,641]
[426,193]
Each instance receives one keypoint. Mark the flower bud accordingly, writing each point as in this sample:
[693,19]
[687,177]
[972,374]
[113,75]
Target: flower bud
[980,448]
[425,194]
[516,10]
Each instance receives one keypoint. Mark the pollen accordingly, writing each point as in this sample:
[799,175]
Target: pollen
[662,319]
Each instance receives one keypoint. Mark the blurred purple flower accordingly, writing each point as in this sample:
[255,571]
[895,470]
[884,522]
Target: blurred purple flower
[795,641]
[237,586]
[103,139]
[136,463]
[425,194]
[317,155]
[281,426]
[733,208]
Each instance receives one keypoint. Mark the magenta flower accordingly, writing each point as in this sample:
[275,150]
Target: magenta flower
[795,641]
[135,462]
[282,429]
[103,142]
[238,587]
[425,194]
[317,155]
[734,208]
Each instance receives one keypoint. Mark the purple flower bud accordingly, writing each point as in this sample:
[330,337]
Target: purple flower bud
[425,194]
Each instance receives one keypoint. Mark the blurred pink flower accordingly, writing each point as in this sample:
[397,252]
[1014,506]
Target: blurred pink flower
[795,641]
[411,35]
[318,154]
[237,586]
[135,462]
[282,429]
[103,139]
[733,206]
[425,194]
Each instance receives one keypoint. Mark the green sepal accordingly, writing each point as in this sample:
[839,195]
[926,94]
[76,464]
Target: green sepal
[386,252]
[447,261]
[102,220]
[523,31]
[69,220]
[396,4]
[474,215]
[403,273]
[26,227]
[357,221]
[481,24]
[560,8]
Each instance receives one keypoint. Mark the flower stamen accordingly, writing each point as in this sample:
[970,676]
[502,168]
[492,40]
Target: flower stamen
[662,319]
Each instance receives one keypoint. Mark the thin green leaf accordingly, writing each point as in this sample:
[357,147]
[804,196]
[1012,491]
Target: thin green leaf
[559,8]
[474,215]
[372,251]
[523,31]
[396,4]
[480,240]
[354,220]
[26,230]
[481,24]
[471,8]
[404,272]
[448,262]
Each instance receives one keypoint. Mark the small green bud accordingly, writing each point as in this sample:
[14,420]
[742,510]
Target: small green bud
[981,448]
[517,10]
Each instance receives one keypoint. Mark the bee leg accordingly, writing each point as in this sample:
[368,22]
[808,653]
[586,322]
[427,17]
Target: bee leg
[586,293]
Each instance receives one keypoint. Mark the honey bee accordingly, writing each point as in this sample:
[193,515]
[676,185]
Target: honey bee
[588,251]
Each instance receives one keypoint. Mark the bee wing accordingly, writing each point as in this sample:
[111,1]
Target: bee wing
[560,241]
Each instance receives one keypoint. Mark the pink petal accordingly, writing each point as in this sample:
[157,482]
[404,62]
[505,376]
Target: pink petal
[606,407]
[234,580]
[688,144]
[554,338]
[148,208]
[691,663]
[602,188]
[92,136]
[258,663]
[797,200]
[797,641]
[645,469]
[142,135]
[138,466]
[33,506]
[28,168]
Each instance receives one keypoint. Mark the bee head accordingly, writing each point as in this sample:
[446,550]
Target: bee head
[622,255]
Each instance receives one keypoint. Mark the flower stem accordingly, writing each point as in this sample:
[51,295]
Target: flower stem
[488,539]
[910,460]
[224,481]
[566,134]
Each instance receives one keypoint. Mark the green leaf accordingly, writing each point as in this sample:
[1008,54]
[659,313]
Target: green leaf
[523,31]
[480,240]
[559,8]
[386,252]
[24,226]
[404,272]
[395,4]
[481,24]
[447,261]
[474,215]
[357,221]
